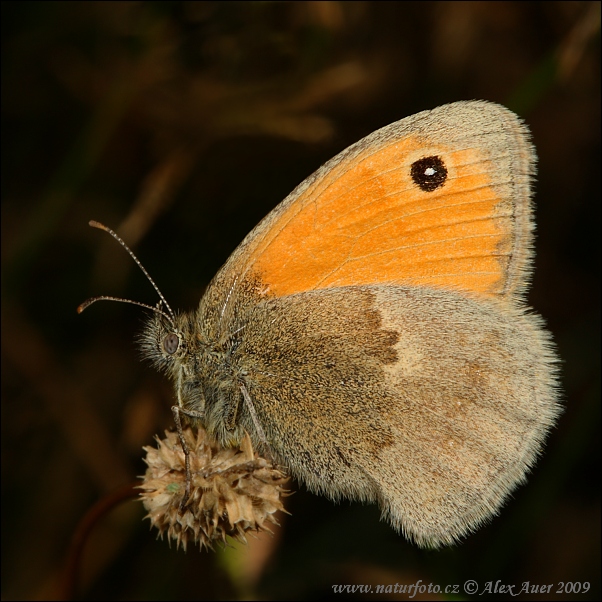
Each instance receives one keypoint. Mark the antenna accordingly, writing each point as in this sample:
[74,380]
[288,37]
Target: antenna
[86,304]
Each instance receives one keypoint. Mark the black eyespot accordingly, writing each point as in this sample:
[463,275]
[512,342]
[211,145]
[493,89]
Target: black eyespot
[429,173]
[171,343]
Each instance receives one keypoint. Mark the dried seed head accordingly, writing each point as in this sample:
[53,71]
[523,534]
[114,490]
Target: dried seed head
[233,490]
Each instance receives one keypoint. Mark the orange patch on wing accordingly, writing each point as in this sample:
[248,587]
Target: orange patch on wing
[367,222]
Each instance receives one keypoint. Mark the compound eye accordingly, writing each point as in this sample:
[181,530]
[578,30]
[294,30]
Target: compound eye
[171,343]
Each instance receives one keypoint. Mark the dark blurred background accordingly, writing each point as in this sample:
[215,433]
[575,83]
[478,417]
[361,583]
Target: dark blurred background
[181,125]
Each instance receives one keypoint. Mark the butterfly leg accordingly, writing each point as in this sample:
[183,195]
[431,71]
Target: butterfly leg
[177,411]
[255,419]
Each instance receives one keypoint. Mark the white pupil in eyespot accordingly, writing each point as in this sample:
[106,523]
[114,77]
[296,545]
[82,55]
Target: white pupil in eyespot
[429,171]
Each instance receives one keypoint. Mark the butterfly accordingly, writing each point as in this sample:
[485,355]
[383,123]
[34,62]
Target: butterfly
[372,334]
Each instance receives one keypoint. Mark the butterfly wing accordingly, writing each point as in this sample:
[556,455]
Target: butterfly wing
[433,404]
[378,323]
[366,217]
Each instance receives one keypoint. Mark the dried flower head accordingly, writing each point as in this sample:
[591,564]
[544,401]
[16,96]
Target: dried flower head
[233,490]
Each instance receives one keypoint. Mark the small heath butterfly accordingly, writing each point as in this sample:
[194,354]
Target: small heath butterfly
[371,333]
